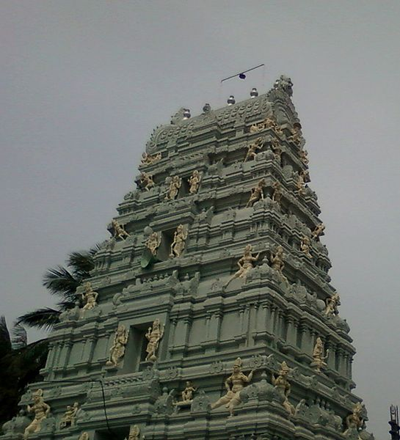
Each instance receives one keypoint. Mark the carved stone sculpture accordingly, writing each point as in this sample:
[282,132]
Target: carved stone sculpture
[194,182]
[276,260]
[186,395]
[119,231]
[253,148]
[354,421]
[178,245]
[304,157]
[117,350]
[318,356]
[153,242]
[276,148]
[300,184]
[69,416]
[173,188]
[277,194]
[148,159]
[89,297]
[305,246]
[246,263]
[153,335]
[318,231]
[234,385]
[257,193]
[146,181]
[40,409]
[84,436]
[332,304]
[296,135]
[134,433]
[305,174]
[282,384]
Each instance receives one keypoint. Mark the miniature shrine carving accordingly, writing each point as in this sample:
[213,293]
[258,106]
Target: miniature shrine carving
[117,350]
[234,385]
[154,335]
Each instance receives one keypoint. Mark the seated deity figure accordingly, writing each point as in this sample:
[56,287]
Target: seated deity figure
[332,304]
[173,189]
[146,181]
[234,385]
[257,193]
[178,245]
[89,297]
[305,246]
[153,243]
[318,355]
[355,421]
[117,351]
[69,417]
[153,335]
[148,159]
[246,263]
[40,409]
[253,148]
[187,393]
[119,231]
[194,182]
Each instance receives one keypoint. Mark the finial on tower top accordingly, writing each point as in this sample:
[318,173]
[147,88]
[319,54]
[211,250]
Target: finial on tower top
[231,100]
[254,92]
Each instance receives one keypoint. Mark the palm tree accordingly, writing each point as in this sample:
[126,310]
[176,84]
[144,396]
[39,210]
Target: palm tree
[19,365]
[62,282]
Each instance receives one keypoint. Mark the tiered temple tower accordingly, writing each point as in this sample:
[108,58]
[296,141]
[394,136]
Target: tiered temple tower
[210,313]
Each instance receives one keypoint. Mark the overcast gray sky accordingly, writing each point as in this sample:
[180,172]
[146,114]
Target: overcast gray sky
[83,83]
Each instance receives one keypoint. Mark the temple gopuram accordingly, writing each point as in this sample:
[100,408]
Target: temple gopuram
[210,313]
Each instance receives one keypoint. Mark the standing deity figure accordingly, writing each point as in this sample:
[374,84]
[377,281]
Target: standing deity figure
[69,416]
[40,409]
[318,356]
[134,433]
[84,436]
[173,189]
[178,245]
[89,297]
[246,263]
[146,181]
[332,304]
[194,182]
[119,231]
[355,421]
[276,148]
[148,159]
[253,148]
[300,184]
[153,335]
[257,193]
[306,176]
[153,242]
[318,231]
[117,350]
[304,157]
[305,246]
[282,384]
[276,260]
[277,194]
[234,385]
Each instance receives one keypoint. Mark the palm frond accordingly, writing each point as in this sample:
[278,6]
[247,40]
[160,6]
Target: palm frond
[5,339]
[42,318]
[81,263]
[60,281]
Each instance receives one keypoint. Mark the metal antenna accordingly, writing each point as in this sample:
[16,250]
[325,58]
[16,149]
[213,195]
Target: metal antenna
[242,75]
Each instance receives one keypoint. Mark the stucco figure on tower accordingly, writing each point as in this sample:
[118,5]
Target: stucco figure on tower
[282,384]
[117,350]
[332,305]
[40,409]
[89,297]
[154,335]
[118,230]
[245,263]
[318,356]
[253,148]
[69,416]
[257,193]
[179,242]
[194,182]
[146,181]
[173,189]
[153,243]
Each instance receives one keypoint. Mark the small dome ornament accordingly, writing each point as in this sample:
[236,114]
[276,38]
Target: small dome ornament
[231,100]
[253,93]
[186,114]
